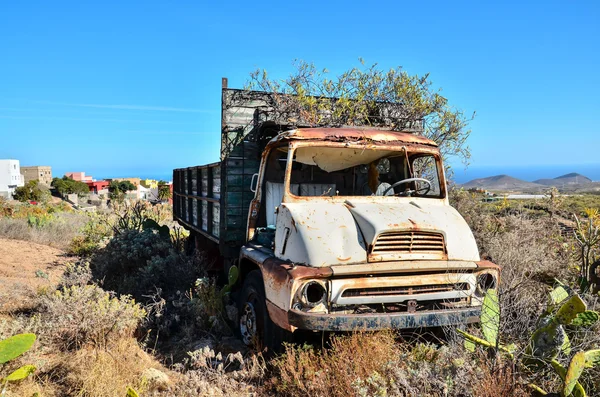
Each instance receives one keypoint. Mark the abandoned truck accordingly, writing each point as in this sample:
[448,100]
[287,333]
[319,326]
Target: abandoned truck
[332,229]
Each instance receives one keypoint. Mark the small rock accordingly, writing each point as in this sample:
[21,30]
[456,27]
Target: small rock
[232,313]
[157,380]
[231,344]
[204,342]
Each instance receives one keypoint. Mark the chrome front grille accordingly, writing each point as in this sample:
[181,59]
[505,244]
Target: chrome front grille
[409,242]
[412,290]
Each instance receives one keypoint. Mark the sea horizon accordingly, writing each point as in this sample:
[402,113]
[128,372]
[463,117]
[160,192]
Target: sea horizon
[459,173]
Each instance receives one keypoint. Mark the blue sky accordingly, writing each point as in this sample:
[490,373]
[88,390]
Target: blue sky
[132,88]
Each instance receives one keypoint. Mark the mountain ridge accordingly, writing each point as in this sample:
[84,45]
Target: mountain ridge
[507,182]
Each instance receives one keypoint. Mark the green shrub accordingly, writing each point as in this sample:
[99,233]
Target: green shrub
[136,262]
[76,274]
[39,221]
[82,247]
[32,191]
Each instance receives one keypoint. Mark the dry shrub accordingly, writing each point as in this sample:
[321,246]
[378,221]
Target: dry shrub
[92,372]
[76,273]
[302,371]
[208,374]
[80,315]
[499,380]
[81,246]
[531,253]
[376,365]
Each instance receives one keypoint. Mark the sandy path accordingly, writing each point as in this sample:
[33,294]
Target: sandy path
[25,267]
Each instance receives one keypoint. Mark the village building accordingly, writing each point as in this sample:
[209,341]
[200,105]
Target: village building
[10,177]
[79,176]
[40,173]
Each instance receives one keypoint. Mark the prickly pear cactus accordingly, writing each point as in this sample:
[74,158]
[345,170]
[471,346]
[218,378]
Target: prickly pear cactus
[592,358]
[232,278]
[490,317]
[14,346]
[546,342]
[570,309]
[574,371]
[550,338]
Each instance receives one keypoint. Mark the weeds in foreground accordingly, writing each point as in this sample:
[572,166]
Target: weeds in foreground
[77,316]
[10,349]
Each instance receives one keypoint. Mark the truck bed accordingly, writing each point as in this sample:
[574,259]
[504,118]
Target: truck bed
[213,199]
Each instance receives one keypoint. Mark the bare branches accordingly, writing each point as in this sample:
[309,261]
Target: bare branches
[587,235]
[365,96]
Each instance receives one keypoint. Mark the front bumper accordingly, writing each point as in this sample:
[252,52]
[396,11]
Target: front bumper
[376,321]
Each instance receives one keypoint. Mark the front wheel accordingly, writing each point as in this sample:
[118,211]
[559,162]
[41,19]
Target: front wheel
[255,326]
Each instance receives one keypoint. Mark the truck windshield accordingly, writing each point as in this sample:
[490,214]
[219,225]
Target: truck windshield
[335,171]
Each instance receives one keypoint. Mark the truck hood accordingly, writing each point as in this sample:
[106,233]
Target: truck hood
[376,218]
[333,233]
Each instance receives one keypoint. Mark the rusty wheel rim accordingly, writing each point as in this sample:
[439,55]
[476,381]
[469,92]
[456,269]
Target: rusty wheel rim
[248,323]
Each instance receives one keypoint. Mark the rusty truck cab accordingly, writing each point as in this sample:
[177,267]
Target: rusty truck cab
[351,229]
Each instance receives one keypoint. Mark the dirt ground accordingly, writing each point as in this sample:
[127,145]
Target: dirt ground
[25,267]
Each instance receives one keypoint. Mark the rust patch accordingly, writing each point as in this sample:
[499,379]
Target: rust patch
[304,272]
[488,265]
[279,316]
[275,269]
[358,134]
[294,225]
[483,265]
[281,272]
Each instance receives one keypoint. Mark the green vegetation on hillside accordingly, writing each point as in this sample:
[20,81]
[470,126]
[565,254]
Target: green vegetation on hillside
[66,185]
[32,191]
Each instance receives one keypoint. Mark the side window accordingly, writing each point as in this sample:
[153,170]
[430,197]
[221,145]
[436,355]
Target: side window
[426,167]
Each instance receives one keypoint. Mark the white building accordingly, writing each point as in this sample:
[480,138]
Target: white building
[10,177]
[144,193]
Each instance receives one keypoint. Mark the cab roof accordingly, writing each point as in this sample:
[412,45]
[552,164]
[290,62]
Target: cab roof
[355,134]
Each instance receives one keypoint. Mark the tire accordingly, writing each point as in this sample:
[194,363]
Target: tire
[254,324]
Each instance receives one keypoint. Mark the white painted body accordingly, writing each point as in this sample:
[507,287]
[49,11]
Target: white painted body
[328,232]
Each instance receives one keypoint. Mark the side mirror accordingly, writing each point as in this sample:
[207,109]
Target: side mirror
[254,183]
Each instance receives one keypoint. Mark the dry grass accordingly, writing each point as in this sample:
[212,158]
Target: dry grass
[57,232]
[499,380]
[93,372]
[90,372]
[302,371]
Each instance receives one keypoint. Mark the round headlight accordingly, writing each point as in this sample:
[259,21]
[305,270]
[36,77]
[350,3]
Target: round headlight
[485,281]
[313,293]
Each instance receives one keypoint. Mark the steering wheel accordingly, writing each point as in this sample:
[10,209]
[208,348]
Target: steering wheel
[409,192]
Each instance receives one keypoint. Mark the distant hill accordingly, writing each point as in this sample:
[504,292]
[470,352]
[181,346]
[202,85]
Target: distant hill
[568,179]
[503,182]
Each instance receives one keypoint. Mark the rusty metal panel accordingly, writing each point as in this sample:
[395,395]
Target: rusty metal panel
[376,321]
